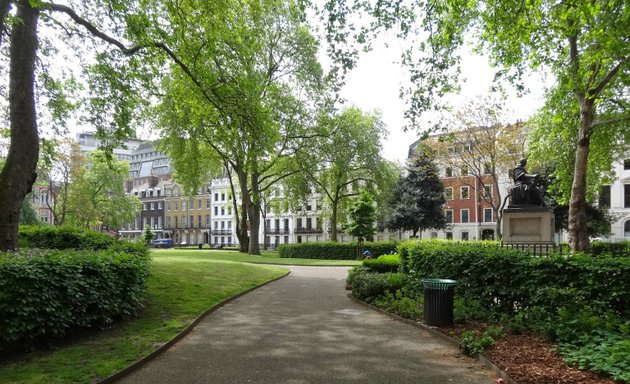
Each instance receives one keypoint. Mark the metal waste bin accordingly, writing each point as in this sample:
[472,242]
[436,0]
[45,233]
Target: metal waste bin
[438,301]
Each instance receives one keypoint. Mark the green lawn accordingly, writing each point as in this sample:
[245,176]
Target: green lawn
[267,257]
[183,285]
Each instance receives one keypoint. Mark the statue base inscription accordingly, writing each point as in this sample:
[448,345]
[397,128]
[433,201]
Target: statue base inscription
[528,225]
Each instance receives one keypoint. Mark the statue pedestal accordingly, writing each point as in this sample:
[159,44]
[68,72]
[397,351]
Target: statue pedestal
[528,224]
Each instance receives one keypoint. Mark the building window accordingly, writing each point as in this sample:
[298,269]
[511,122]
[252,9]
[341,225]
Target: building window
[604,197]
[207,203]
[487,215]
[464,215]
[626,195]
[626,164]
[175,206]
[487,169]
[145,206]
[216,197]
[464,170]
[448,193]
[222,211]
[464,192]
[199,204]
[449,215]
[487,191]
[223,197]
[434,235]
[183,205]
[449,235]
[192,221]
[216,211]
[626,229]
[464,236]
[448,172]
[207,221]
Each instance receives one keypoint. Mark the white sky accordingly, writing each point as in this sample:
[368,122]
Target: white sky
[375,84]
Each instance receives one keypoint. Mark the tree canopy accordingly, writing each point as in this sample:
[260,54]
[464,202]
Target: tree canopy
[418,198]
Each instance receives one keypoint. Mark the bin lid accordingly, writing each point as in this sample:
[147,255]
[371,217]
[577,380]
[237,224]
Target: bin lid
[438,283]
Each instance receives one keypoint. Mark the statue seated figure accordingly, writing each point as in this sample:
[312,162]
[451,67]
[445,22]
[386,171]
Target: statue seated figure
[524,192]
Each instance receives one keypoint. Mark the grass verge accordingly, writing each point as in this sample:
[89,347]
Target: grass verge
[266,257]
[182,286]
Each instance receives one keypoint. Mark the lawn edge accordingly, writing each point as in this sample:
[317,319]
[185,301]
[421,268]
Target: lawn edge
[143,360]
[432,330]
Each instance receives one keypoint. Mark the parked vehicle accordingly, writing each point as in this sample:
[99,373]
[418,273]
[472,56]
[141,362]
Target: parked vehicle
[162,243]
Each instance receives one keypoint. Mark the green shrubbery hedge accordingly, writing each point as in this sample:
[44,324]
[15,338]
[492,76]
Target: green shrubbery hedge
[43,295]
[508,281]
[620,249]
[368,286]
[46,293]
[334,251]
[382,264]
[51,237]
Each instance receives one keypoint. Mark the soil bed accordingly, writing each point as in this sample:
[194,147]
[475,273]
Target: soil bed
[530,359]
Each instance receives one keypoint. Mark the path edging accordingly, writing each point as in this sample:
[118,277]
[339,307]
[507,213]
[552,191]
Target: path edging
[140,362]
[451,340]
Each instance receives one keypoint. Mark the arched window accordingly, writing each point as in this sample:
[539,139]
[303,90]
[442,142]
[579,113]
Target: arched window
[626,229]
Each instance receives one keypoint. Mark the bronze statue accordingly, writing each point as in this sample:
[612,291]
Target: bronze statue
[524,191]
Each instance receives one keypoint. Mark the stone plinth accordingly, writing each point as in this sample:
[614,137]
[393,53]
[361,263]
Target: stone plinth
[528,225]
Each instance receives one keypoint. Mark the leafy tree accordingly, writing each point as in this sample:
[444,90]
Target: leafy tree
[148,235]
[244,94]
[362,217]
[583,44]
[89,29]
[27,213]
[478,139]
[97,197]
[346,158]
[418,199]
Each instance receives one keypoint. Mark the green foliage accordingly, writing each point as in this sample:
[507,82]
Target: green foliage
[148,235]
[382,264]
[45,294]
[473,343]
[333,250]
[620,249]
[27,213]
[49,237]
[368,286]
[405,304]
[418,198]
[362,216]
[508,281]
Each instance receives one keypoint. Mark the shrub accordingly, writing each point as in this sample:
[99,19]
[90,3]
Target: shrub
[333,251]
[44,294]
[368,286]
[51,237]
[620,249]
[382,264]
[507,281]
[401,303]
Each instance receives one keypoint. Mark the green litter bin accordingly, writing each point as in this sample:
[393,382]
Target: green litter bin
[438,301]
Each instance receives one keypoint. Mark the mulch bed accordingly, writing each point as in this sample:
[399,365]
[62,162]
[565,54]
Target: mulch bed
[530,359]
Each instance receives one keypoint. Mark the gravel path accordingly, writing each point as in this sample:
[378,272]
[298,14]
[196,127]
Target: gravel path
[304,329]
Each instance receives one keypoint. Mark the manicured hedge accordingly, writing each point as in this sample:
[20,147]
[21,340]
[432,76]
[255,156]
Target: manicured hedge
[334,251]
[369,286]
[44,294]
[620,249]
[508,280]
[382,264]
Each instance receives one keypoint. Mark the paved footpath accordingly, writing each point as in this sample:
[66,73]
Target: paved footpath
[304,329]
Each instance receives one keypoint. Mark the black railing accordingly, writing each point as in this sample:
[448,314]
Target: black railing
[277,231]
[221,232]
[538,249]
[308,230]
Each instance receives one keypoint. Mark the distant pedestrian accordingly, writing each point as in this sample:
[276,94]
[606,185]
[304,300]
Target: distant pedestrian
[367,254]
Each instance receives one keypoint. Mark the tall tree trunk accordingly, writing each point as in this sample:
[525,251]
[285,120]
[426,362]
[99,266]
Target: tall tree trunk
[254,215]
[18,175]
[333,223]
[241,215]
[578,232]
[243,238]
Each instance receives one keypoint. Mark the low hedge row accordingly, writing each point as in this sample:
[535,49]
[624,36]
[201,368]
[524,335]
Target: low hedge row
[52,237]
[509,281]
[333,251]
[619,249]
[44,294]
[383,264]
[368,286]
